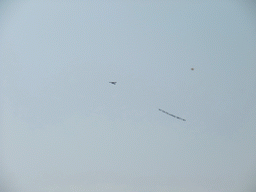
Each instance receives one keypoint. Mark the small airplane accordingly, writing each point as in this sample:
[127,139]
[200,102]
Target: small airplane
[172,115]
[114,83]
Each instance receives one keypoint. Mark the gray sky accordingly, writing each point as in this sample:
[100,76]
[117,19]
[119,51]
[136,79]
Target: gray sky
[65,128]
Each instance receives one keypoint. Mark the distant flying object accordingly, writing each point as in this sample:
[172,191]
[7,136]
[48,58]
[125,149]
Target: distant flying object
[172,115]
[192,69]
[114,83]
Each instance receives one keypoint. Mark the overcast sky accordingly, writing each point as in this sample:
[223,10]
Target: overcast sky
[65,128]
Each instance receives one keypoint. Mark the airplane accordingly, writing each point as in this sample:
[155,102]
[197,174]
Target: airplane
[114,83]
[172,115]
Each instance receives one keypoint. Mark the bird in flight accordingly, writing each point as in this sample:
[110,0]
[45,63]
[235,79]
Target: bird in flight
[114,83]
[172,115]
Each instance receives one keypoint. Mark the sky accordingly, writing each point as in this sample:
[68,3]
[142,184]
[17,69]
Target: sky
[65,128]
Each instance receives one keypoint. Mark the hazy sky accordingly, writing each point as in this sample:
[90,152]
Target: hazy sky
[65,128]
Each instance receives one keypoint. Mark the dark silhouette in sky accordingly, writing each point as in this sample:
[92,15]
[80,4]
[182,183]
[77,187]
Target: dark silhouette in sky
[172,115]
[114,83]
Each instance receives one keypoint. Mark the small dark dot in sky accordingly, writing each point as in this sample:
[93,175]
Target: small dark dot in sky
[192,69]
